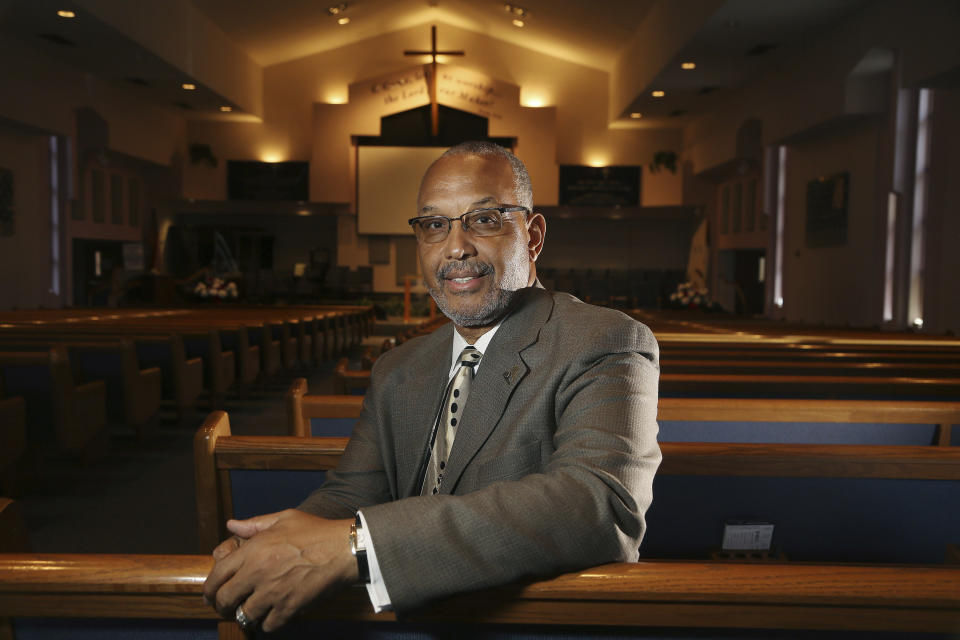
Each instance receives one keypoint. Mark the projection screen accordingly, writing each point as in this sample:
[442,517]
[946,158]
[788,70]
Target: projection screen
[387,182]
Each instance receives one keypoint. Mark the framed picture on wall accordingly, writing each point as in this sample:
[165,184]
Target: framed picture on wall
[827,201]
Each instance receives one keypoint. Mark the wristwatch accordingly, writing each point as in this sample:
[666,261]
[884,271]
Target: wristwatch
[358,548]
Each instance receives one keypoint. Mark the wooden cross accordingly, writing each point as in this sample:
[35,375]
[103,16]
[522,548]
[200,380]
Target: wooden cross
[432,77]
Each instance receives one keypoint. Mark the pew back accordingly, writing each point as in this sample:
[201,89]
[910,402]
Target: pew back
[58,411]
[869,503]
[722,419]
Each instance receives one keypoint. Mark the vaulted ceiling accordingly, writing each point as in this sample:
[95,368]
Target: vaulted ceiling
[632,40]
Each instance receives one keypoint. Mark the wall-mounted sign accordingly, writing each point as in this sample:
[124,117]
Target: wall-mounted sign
[599,186]
[456,87]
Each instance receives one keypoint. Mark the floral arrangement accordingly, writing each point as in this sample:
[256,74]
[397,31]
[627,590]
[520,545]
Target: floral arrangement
[216,288]
[688,297]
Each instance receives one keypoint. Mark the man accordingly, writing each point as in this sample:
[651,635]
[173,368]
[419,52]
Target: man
[547,467]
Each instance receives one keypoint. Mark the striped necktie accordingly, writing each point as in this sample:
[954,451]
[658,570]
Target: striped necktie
[455,399]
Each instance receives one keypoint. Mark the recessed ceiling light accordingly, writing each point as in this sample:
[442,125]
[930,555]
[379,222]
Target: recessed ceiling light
[343,20]
[688,65]
[518,22]
[657,94]
[188,86]
[226,108]
[65,13]
[337,9]
[636,115]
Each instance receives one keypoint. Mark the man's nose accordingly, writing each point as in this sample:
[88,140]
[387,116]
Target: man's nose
[459,243]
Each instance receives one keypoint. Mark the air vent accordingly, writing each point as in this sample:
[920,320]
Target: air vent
[184,105]
[705,90]
[58,39]
[761,49]
[140,82]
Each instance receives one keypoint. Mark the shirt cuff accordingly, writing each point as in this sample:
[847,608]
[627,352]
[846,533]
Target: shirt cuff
[376,589]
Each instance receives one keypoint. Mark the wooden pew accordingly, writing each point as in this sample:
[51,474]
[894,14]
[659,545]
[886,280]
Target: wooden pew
[301,408]
[347,380]
[801,353]
[818,386]
[827,470]
[13,440]
[219,370]
[133,393]
[215,454]
[74,414]
[300,330]
[778,385]
[807,366]
[643,597]
[943,415]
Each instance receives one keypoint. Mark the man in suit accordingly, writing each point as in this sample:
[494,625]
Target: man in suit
[547,468]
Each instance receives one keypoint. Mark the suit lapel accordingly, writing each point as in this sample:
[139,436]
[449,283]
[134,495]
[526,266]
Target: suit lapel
[501,370]
[419,399]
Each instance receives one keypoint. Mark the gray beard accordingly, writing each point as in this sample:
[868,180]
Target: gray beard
[492,307]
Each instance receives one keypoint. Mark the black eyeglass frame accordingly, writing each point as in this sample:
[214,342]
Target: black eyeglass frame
[504,210]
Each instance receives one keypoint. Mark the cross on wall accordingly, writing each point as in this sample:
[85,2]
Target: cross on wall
[432,77]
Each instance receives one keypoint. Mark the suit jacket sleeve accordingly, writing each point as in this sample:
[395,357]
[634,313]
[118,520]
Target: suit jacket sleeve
[562,481]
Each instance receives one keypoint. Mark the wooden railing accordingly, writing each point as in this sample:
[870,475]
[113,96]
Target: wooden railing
[646,594]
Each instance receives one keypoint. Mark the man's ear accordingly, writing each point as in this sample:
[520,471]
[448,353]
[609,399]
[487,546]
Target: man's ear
[537,230]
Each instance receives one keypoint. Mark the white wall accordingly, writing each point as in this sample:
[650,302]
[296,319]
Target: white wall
[839,284]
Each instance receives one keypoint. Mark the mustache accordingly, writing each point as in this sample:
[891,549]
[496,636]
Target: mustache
[470,266]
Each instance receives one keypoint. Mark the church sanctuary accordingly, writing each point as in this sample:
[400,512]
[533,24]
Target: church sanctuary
[205,249]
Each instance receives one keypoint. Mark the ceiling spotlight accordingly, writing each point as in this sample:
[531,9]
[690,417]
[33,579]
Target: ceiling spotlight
[517,22]
[636,115]
[515,11]
[64,13]
[188,86]
[337,9]
[688,65]
[226,108]
[657,94]
[343,20]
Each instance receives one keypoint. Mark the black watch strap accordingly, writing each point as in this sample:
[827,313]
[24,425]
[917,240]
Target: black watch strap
[359,550]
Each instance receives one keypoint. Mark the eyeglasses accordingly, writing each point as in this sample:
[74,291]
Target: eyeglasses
[479,222]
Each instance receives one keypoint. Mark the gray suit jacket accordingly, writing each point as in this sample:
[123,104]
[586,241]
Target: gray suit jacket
[553,463]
